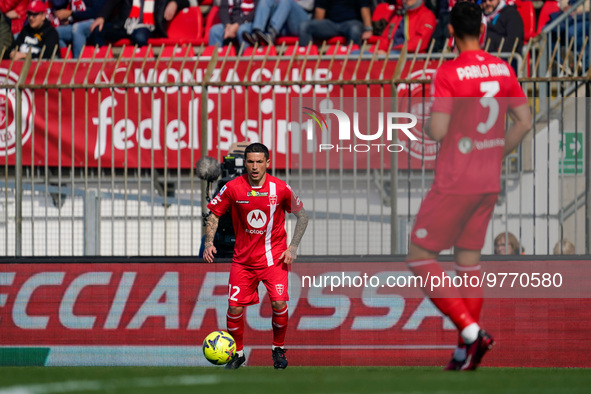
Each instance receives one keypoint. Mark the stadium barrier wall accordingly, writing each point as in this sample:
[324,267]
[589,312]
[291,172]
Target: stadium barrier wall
[156,311]
[109,148]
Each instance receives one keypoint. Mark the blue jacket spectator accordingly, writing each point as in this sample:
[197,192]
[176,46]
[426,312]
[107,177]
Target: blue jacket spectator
[348,18]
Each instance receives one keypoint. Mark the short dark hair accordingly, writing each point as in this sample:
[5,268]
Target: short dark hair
[466,18]
[257,147]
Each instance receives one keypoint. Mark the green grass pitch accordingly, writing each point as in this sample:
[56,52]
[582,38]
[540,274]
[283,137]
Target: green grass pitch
[300,380]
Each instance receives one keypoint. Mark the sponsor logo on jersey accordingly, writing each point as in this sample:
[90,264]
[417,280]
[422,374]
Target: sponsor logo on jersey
[273,199]
[222,190]
[421,233]
[242,202]
[258,232]
[279,288]
[256,218]
[465,145]
[254,193]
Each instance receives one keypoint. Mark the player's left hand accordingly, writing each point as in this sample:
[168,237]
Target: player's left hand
[290,255]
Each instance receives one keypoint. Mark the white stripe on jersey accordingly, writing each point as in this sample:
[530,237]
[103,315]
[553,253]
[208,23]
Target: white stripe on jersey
[268,252]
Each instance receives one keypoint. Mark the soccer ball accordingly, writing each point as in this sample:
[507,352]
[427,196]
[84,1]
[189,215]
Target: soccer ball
[219,347]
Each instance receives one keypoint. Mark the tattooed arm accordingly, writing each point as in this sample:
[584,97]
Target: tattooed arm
[211,226]
[290,255]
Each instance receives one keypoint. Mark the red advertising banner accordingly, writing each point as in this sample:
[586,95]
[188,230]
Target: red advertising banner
[155,305]
[161,126]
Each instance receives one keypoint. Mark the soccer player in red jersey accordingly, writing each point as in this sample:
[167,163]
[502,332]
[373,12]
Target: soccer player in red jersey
[258,202]
[471,96]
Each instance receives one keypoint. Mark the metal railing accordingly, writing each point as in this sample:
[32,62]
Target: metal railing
[104,155]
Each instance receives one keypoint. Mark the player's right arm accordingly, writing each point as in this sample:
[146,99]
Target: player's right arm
[522,121]
[211,226]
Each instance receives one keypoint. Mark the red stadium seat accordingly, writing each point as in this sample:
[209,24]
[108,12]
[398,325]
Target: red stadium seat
[260,51]
[340,49]
[289,51]
[213,18]
[336,40]
[185,28]
[130,52]
[287,40]
[548,8]
[66,53]
[101,52]
[180,52]
[528,14]
[122,42]
[223,51]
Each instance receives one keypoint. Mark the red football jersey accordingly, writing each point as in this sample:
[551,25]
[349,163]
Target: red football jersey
[476,89]
[258,216]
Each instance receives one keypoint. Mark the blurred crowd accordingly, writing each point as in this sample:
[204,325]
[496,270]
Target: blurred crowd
[48,28]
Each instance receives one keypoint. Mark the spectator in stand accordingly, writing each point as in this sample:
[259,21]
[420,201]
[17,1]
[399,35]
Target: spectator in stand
[564,247]
[348,18]
[504,23]
[38,36]
[275,18]
[507,244]
[16,11]
[236,19]
[415,23]
[136,20]
[576,26]
[6,37]
[72,20]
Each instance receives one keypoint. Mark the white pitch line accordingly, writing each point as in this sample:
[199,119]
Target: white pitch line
[96,385]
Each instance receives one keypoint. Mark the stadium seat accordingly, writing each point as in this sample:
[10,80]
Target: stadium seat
[185,28]
[101,52]
[340,49]
[548,9]
[289,51]
[177,51]
[260,51]
[223,51]
[130,52]
[124,42]
[287,40]
[528,14]
[337,40]
[66,53]
[213,18]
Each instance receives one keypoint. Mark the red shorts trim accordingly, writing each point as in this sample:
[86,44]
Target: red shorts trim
[446,220]
[244,282]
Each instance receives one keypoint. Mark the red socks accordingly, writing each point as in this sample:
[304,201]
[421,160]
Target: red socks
[279,322]
[235,325]
[445,297]
[471,292]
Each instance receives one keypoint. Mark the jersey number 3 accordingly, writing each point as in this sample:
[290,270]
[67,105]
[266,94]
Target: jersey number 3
[490,89]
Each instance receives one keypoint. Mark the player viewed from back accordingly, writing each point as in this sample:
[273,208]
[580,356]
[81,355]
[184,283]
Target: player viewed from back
[258,202]
[471,96]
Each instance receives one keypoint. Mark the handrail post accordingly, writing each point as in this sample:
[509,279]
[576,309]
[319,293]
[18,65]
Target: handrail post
[19,157]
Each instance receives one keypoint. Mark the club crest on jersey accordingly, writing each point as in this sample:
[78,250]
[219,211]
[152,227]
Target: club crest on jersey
[256,218]
[254,193]
[279,289]
[273,199]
